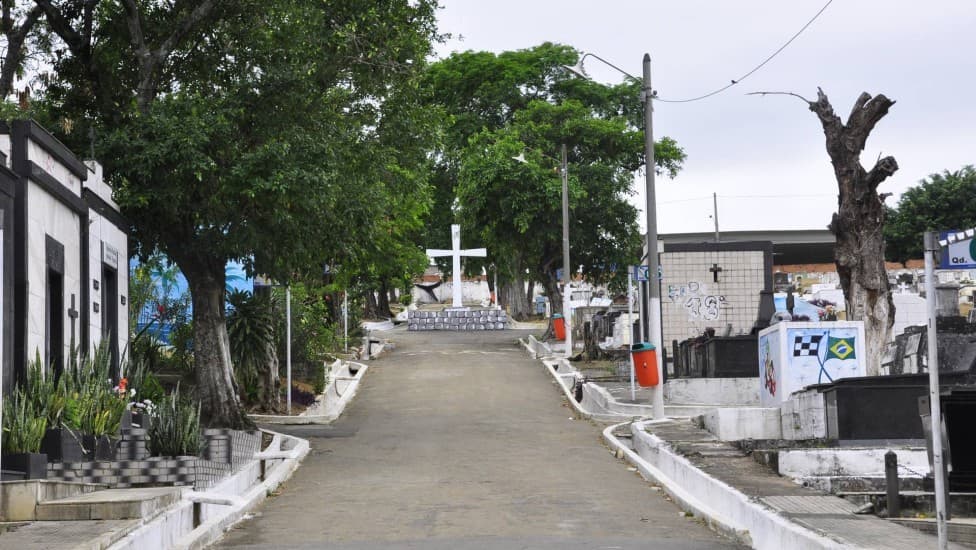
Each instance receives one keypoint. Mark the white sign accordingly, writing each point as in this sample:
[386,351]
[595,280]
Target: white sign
[961,255]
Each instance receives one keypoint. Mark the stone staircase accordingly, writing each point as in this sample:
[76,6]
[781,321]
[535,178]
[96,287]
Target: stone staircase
[41,500]
[109,504]
[457,319]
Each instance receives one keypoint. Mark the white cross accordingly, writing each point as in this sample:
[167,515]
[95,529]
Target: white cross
[456,252]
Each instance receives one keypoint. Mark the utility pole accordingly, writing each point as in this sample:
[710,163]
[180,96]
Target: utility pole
[650,211]
[715,213]
[567,277]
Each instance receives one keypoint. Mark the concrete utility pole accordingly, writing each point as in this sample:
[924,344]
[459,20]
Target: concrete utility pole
[567,276]
[715,213]
[650,212]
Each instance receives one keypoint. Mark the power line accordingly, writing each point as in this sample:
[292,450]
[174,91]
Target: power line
[709,197]
[756,68]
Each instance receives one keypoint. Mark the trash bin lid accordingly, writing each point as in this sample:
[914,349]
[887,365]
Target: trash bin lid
[557,315]
[642,346]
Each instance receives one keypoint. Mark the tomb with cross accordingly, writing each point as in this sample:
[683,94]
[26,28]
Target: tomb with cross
[456,253]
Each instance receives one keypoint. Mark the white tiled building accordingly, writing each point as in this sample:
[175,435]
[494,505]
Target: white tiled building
[712,285]
[65,250]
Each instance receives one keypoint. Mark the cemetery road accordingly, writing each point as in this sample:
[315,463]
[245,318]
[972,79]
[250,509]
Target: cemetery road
[462,441]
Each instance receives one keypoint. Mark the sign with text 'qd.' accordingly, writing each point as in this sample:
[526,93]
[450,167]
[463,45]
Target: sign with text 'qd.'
[958,255]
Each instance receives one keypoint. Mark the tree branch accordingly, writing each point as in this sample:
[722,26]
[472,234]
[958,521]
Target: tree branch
[864,116]
[151,61]
[882,170]
[61,26]
[13,58]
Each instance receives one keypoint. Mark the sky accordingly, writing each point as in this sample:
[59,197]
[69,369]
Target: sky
[763,156]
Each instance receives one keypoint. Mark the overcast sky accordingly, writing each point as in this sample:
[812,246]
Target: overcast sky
[754,151]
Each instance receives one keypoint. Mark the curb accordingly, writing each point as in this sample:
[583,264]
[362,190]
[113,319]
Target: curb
[744,520]
[220,507]
[352,388]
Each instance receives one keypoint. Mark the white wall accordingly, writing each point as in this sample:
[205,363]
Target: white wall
[47,216]
[691,301]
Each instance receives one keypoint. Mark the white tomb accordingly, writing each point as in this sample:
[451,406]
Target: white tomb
[793,356]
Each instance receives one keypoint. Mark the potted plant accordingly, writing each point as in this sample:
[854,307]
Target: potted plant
[23,430]
[174,427]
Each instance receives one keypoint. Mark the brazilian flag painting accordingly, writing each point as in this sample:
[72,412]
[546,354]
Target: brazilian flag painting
[840,348]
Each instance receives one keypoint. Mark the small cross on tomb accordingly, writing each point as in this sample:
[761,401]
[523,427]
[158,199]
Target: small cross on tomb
[715,269]
[455,253]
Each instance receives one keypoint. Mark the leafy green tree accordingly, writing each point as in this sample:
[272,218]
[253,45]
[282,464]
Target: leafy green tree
[246,130]
[525,102]
[940,202]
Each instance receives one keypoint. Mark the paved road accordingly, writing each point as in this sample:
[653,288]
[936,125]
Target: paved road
[461,441]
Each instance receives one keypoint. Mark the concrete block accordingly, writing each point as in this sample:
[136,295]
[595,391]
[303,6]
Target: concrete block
[737,423]
[713,391]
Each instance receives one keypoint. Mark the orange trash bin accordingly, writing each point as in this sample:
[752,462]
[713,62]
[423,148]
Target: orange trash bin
[559,326]
[645,364]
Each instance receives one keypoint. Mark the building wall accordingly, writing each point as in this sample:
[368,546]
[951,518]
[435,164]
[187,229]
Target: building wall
[103,232]
[48,217]
[691,299]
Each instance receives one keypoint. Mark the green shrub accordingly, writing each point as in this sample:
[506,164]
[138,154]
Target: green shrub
[174,427]
[23,428]
[318,377]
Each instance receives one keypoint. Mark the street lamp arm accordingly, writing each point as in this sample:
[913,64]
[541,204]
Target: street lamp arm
[579,70]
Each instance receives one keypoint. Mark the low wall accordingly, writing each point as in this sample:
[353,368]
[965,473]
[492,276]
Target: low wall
[713,391]
[344,382]
[804,416]
[834,462]
[738,423]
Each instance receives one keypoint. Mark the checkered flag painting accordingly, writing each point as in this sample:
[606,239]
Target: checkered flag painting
[807,345]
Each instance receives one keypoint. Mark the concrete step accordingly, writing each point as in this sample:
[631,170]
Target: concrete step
[110,504]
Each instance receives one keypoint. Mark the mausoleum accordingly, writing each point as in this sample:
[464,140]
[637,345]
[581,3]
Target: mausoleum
[63,275]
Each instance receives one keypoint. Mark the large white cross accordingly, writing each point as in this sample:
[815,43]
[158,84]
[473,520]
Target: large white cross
[456,252]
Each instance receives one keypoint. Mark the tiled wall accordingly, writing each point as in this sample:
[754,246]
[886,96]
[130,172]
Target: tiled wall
[692,300]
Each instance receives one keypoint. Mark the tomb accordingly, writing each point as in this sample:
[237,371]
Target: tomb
[714,296]
[793,356]
[63,274]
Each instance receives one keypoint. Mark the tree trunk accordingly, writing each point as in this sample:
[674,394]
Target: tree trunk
[383,302]
[512,298]
[216,388]
[371,309]
[858,222]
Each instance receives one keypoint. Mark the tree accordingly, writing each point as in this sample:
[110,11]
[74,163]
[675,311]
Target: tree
[857,225]
[941,202]
[525,102]
[246,130]
[19,22]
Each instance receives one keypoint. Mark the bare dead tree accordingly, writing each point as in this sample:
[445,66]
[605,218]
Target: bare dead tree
[858,222]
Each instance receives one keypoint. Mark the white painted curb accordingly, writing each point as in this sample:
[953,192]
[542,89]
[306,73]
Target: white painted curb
[221,506]
[723,507]
[329,405]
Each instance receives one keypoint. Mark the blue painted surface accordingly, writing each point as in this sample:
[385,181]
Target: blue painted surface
[236,279]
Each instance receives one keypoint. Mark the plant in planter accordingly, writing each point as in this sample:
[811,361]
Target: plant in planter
[174,427]
[83,410]
[23,430]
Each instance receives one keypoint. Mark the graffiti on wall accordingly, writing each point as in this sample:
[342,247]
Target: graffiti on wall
[694,297]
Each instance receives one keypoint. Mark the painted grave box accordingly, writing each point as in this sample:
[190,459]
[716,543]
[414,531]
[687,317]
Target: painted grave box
[793,356]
